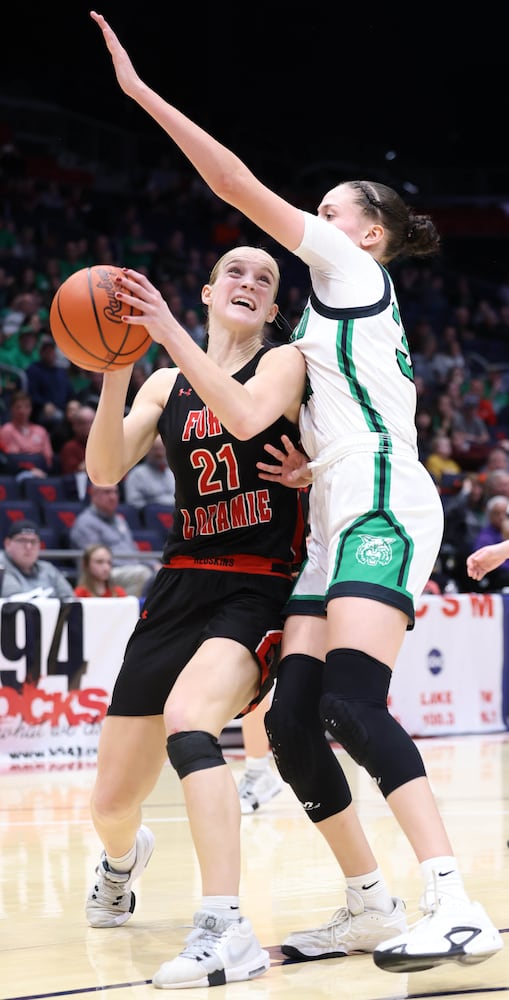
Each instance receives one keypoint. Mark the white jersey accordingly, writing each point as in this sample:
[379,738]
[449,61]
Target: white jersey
[357,357]
[376,517]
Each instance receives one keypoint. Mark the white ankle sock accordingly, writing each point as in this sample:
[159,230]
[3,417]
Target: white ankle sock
[257,763]
[227,907]
[443,871]
[123,864]
[372,890]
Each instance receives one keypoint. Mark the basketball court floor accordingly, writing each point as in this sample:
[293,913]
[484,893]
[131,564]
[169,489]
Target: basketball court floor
[48,852]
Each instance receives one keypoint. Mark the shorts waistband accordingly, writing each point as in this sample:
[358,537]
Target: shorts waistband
[370,442]
[257,565]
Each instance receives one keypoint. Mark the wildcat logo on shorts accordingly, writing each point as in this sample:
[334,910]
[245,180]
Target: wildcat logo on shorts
[374,551]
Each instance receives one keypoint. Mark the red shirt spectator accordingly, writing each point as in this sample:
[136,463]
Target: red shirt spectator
[20,436]
[72,453]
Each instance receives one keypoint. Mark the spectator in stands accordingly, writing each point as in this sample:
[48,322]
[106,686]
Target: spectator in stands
[497,458]
[229,229]
[90,395]
[455,386]
[475,434]
[497,483]
[20,438]
[23,573]
[440,460]
[22,349]
[95,574]
[72,453]
[140,373]
[190,291]
[461,317]
[62,430]
[49,385]
[17,313]
[151,481]
[173,257]
[74,255]
[467,458]
[498,394]
[448,357]
[423,356]
[485,322]
[138,247]
[485,409]
[443,413]
[426,395]
[195,327]
[464,518]
[494,531]
[101,522]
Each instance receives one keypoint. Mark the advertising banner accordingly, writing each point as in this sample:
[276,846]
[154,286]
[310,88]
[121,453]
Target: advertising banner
[58,663]
[449,674]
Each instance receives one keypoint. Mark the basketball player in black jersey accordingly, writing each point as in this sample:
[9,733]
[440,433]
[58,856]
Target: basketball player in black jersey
[206,645]
[358,428]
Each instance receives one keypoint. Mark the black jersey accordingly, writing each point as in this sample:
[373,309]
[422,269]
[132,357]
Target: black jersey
[222,507]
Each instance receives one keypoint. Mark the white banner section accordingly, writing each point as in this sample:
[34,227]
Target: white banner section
[58,664]
[448,676]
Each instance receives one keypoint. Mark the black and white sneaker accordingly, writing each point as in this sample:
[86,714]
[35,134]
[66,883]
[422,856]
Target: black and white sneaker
[451,931]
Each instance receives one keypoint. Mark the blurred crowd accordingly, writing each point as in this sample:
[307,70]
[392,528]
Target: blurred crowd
[457,325]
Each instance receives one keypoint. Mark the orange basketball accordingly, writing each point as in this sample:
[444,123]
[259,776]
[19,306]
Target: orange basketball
[85,320]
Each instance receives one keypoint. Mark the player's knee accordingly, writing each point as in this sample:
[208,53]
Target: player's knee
[292,722]
[287,733]
[294,707]
[194,751]
[302,753]
[305,759]
[354,710]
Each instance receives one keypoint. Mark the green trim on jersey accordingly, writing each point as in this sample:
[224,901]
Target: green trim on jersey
[344,353]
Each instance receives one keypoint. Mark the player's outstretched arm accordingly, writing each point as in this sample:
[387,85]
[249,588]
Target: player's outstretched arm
[226,175]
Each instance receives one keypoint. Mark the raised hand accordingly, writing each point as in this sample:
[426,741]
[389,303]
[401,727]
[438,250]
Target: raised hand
[292,466]
[127,76]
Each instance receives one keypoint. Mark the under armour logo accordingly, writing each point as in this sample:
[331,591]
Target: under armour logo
[185,392]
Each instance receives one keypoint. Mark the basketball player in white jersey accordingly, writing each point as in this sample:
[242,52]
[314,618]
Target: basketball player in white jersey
[376,524]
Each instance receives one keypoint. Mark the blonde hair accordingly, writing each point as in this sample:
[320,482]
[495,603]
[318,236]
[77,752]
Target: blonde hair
[238,252]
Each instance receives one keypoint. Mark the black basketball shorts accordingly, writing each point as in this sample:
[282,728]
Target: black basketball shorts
[183,608]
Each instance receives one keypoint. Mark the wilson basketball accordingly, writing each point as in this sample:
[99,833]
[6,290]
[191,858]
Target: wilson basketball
[85,320]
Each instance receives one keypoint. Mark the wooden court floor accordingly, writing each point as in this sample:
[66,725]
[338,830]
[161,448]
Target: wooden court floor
[48,851]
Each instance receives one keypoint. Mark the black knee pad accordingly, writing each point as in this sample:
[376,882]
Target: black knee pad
[354,710]
[302,752]
[193,751]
